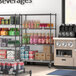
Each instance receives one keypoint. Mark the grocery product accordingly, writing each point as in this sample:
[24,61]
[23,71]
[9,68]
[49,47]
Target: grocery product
[4,31]
[10,55]
[1,19]
[11,32]
[48,38]
[42,56]
[32,24]
[39,38]
[46,49]
[12,19]
[49,56]
[43,38]
[28,38]
[31,38]
[35,39]
[26,52]
[24,40]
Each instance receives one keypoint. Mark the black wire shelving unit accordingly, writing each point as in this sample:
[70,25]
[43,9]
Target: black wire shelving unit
[17,51]
[50,17]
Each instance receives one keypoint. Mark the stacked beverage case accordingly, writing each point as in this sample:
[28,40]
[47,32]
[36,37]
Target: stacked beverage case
[7,54]
[11,67]
[27,54]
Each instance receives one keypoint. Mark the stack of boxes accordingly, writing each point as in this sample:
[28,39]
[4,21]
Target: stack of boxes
[7,54]
[25,52]
[26,55]
[45,55]
[32,55]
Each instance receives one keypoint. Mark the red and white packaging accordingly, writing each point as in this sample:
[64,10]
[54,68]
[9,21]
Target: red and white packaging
[14,65]
[3,52]
[31,52]
[21,65]
[31,56]
[2,56]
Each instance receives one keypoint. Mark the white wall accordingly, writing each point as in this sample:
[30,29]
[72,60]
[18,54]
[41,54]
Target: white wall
[37,6]
[70,12]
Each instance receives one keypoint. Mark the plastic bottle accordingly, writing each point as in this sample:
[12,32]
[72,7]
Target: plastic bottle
[24,40]
[32,24]
[31,38]
[29,24]
[43,38]
[26,24]
[35,39]
[38,24]
[39,38]
[47,38]
[35,24]
[28,38]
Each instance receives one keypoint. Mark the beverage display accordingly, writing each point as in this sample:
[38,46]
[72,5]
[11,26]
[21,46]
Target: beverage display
[37,38]
[36,24]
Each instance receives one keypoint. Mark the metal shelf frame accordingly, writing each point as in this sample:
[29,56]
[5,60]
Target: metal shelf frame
[15,47]
[50,17]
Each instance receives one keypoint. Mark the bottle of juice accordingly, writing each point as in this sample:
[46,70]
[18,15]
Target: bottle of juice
[48,38]
[24,40]
[39,38]
[35,24]
[43,38]
[32,24]
[26,24]
[29,24]
[28,38]
[35,38]
[38,24]
[31,38]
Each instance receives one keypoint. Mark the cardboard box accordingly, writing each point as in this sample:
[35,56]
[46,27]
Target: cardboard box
[37,56]
[46,49]
[10,53]
[3,52]
[42,56]
[49,56]
[2,56]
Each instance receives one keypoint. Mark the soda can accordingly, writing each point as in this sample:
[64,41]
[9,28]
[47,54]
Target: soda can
[14,65]
[3,66]
[8,65]
[20,65]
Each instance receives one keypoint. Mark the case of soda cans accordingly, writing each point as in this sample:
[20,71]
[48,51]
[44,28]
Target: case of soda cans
[11,67]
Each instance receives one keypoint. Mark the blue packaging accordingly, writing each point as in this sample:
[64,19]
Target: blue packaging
[26,52]
[22,56]
[26,58]
[23,48]
[26,55]
[22,52]
[27,48]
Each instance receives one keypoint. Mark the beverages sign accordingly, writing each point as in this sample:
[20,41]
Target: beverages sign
[15,1]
